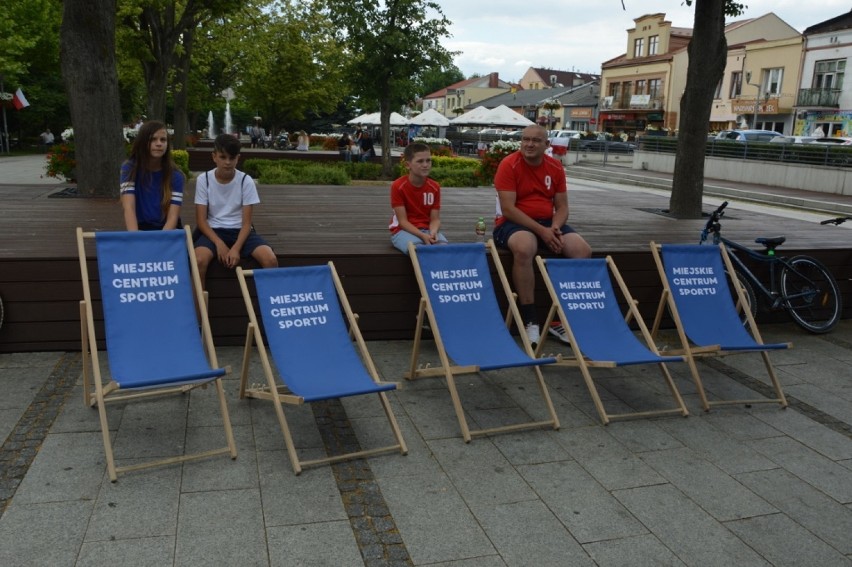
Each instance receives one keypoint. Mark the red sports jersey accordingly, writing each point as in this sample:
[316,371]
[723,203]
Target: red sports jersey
[535,187]
[418,202]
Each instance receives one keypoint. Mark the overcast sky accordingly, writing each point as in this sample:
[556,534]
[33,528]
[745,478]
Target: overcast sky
[509,36]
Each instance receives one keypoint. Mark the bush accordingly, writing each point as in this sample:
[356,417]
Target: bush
[365,170]
[492,158]
[181,159]
[61,162]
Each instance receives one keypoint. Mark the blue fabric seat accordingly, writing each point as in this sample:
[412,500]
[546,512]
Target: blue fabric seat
[152,305]
[470,332]
[708,323]
[582,294]
[309,328]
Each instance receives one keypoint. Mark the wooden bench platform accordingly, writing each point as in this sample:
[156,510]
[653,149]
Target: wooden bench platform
[40,275]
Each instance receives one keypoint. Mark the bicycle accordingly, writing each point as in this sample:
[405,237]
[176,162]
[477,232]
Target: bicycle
[802,285]
[836,221]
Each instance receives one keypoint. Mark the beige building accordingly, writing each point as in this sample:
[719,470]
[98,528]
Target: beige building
[540,78]
[759,87]
[642,88]
[452,100]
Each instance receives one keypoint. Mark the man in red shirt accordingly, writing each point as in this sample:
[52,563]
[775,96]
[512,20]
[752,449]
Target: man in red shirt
[532,211]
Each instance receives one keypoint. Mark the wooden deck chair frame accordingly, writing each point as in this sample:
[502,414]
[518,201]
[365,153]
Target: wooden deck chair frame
[97,394]
[448,370]
[585,364]
[279,394]
[693,352]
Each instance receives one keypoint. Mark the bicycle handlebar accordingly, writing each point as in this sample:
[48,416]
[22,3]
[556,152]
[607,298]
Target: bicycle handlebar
[836,221]
[713,225]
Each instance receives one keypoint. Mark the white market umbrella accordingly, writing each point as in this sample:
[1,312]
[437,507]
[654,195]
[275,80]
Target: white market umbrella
[475,116]
[369,118]
[505,116]
[430,117]
[375,119]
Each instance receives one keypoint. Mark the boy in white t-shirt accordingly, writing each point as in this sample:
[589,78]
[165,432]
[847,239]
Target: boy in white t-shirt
[224,197]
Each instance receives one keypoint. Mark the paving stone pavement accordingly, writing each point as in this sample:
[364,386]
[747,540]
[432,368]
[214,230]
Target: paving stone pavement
[736,486]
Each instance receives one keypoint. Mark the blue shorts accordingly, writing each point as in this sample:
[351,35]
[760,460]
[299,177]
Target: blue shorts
[401,239]
[229,237]
[508,228]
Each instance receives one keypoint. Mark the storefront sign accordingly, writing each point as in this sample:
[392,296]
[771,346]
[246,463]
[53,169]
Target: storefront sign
[746,106]
[614,116]
[581,112]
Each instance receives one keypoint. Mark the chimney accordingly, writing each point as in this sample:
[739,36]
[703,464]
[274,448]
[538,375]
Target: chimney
[493,81]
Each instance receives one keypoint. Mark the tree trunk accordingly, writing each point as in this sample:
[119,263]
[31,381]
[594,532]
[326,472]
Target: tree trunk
[707,54]
[87,58]
[180,89]
[387,168]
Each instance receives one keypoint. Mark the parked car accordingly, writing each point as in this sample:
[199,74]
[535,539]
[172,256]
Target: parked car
[794,140]
[563,137]
[834,141]
[747,135]
[492,131]
[615,147]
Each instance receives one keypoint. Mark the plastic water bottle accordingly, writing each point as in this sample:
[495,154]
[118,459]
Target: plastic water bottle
[480,230]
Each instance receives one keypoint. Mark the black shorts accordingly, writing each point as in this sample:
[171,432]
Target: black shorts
[508,228]
[229,237]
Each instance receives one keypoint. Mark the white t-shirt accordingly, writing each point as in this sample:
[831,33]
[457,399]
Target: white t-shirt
[225,202]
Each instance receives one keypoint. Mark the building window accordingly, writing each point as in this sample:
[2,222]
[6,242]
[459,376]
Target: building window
[829,74]
[654,88]
[638,46]
[653,44]
[772,80]
[736,84]
[640,86]
[615,90]
[718,92]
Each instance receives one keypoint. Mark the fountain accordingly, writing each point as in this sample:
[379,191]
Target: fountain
[211,126]
[228,95]
[228,125]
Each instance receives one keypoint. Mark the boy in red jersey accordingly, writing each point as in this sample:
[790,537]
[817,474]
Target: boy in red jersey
[532,211]
[416,202]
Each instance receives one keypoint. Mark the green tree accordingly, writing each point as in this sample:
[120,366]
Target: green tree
[87,54]
[707,51]
[29,59]
[292,69]
[436,78]
[160,34]
[389,45]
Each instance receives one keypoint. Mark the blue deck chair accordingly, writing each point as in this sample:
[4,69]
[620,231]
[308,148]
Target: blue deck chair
[310,329]
[458,297]
[708,323]
[582,294]
[152,304]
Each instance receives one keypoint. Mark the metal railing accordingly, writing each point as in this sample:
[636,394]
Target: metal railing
[809,154]
[818,97]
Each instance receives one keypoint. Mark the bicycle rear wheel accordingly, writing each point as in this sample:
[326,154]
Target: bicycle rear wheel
[811,294]
[748,293]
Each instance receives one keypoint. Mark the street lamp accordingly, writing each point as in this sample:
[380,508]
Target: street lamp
[756,99]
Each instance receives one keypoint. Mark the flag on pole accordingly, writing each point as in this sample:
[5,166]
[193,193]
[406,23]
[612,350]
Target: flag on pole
[19,100]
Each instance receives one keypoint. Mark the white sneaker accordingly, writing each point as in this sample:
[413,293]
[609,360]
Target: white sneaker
[557,330]
[533,333]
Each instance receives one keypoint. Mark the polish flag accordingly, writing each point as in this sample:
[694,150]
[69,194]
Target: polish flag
[19,100]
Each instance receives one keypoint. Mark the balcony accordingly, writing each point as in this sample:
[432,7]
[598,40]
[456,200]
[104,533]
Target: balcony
[632,102]
[818,97]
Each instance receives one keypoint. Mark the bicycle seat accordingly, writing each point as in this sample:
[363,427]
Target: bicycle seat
[771,242]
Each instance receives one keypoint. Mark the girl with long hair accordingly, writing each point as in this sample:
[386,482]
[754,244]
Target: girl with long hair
[151,184]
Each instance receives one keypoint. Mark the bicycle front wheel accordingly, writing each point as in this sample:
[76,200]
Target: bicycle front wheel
[811,294]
